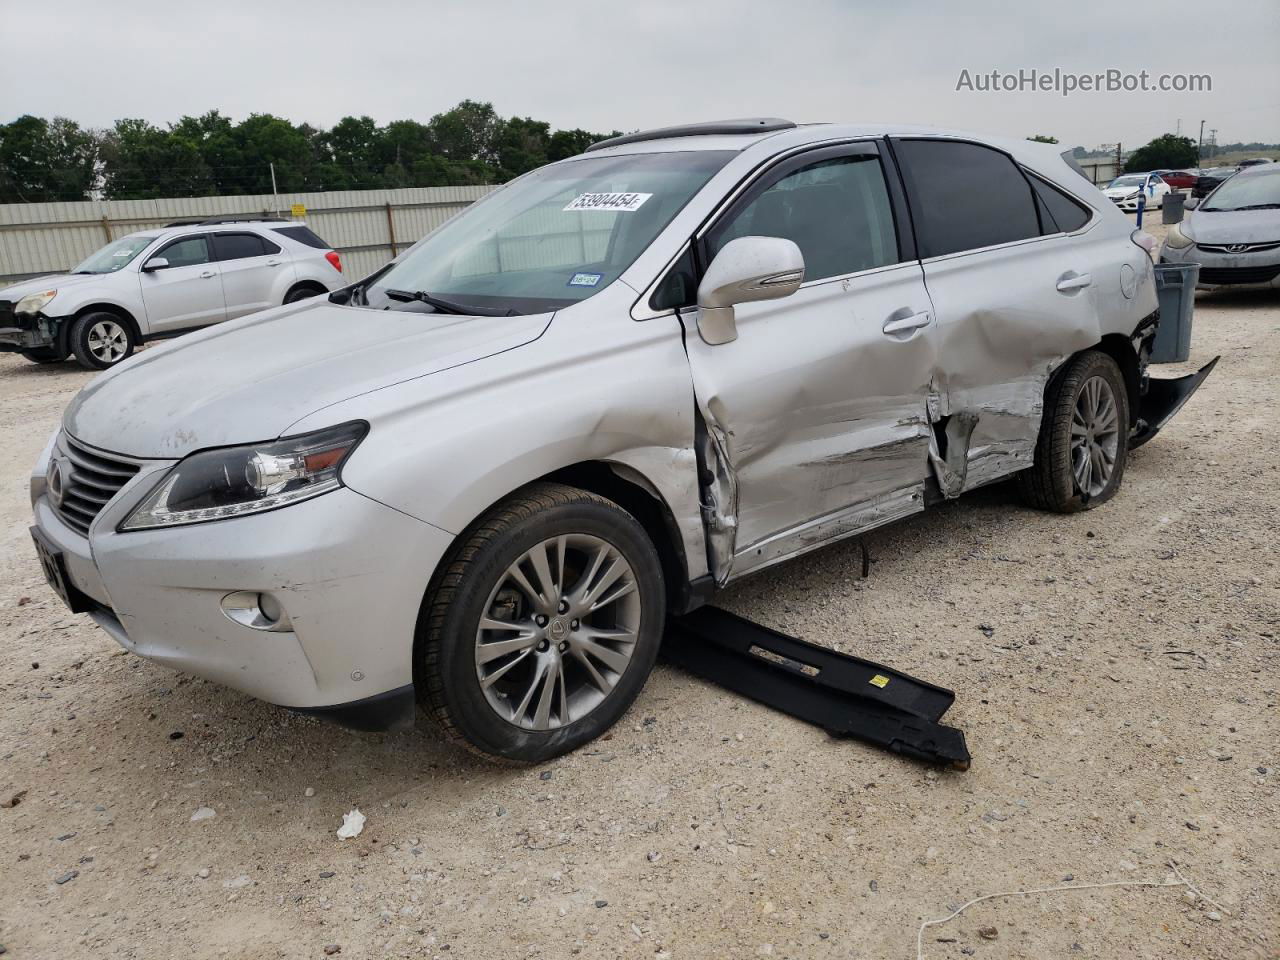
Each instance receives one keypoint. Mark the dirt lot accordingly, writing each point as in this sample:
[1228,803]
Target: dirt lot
[1116,676]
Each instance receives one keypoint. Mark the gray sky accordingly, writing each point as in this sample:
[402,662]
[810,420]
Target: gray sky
[601,65]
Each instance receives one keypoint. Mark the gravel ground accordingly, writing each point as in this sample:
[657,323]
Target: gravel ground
[1116,676]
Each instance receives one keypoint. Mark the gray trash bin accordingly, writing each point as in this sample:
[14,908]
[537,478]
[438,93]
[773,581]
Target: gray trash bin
[1171,210]
[1176,290]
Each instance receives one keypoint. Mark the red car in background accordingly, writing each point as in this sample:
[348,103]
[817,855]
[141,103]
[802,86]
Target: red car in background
[1180,179]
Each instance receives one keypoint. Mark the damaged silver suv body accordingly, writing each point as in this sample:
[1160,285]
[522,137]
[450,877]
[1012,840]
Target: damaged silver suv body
[477,482]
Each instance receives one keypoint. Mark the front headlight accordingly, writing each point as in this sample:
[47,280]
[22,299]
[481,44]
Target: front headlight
[1174,237]
[234,481]
[34,302]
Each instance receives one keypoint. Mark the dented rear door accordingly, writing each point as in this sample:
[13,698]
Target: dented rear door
[1013,298]
[814,416]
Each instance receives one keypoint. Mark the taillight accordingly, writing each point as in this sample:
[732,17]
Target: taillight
[1145,240]
[333,258]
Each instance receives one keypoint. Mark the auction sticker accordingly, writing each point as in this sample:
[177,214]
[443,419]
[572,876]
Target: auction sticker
[585,280]
[612,202]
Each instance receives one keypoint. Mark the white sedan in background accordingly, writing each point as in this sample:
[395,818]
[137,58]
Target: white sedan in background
[1125,191]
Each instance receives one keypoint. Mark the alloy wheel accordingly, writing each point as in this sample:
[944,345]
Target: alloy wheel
[558,632]
[1095,436]
[108,341]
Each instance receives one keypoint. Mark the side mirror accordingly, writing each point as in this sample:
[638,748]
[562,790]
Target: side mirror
[155,263]
[1190,203]
[746,270]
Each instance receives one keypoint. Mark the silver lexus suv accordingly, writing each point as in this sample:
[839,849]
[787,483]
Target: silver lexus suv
[477,482]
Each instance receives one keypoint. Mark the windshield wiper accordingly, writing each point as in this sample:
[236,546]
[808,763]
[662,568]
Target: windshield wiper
[1260,206]
[447,306]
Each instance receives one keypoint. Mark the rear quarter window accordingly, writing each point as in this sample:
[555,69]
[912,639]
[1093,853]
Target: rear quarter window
[303,235]
[964,196]
[1057,208]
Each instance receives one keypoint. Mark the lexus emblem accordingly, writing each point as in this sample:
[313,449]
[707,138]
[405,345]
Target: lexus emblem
[1237,247]
[56,483]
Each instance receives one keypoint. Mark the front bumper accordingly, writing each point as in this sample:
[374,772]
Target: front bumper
[1130,204]
[349,572]
[1258,270]
[26,331]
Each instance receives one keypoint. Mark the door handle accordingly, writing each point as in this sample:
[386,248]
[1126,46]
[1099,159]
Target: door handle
[906,324]
[1074,281]
[273,263]
[207,274]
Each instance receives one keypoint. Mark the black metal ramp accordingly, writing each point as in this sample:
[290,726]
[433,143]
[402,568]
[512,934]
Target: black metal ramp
[844,695]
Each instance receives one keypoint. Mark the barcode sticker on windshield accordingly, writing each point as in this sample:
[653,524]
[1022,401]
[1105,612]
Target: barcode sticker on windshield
[611,202]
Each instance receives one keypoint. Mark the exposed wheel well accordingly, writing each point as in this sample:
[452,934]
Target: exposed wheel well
[1120,349]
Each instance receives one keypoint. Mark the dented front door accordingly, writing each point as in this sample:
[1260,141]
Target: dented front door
[814,418]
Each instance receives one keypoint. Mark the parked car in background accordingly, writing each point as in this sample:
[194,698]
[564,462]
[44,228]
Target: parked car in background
[160,283]
[1256,161]
[1234,233]
[1125,191]
[1209,179]
[1180,179]
[477,481]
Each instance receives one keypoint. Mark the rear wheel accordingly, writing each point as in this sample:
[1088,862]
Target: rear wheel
[100,340]
[301,293]
[1084,437]
[543,626]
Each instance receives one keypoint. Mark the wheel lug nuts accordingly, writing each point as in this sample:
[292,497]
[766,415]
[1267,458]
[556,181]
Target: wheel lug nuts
[540,620]
[564,606]
[564,646]
[573,625]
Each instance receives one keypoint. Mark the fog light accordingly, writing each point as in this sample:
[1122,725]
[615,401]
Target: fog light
[258,611]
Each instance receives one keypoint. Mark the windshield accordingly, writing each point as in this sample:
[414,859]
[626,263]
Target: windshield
[114,255]
[1259,191]
[554,237]
[1129,181]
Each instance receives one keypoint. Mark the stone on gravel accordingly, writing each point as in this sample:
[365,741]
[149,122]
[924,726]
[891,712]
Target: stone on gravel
[203,813]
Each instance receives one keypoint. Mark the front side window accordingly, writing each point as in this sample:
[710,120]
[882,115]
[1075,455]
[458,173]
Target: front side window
[553,237]
[964,196]
[187,252]
[835,209]
[1258,191]
[116,255]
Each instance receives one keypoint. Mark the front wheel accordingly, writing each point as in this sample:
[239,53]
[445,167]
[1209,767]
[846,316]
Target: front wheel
[100,340]
[43,355]
[542,627]
[1084,437]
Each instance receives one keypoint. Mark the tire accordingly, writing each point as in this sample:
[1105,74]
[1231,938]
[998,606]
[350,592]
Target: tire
[100,340]
[522,715]
[43,355]
[301,293]
[1091,380]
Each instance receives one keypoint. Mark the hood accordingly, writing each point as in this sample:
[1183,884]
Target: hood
[1122,191]
[1233,226]
[251,379]
[54,281]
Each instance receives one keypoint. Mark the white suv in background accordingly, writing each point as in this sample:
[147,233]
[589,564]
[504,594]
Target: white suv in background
[159,283]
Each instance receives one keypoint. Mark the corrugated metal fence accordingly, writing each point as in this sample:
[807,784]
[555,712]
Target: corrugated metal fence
[368,227]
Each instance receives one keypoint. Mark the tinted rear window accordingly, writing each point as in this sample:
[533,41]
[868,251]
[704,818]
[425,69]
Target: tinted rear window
[1057,209]
[303,235]
[239,246]
[964,196]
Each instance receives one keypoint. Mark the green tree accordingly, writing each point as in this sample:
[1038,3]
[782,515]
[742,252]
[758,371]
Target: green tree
[351,148]
[142,161]
[1166,152]
[570,143]
[521,146]
[1041,138]
[47,160]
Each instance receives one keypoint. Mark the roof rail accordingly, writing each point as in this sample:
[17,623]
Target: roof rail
[709,129]
[213,221]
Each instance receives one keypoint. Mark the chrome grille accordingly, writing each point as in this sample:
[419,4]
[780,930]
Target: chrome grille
[87,481]
[1238,247]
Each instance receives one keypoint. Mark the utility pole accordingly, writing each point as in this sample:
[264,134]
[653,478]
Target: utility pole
[1179,133]
[275,194]
[1200,150]
[1213,141]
